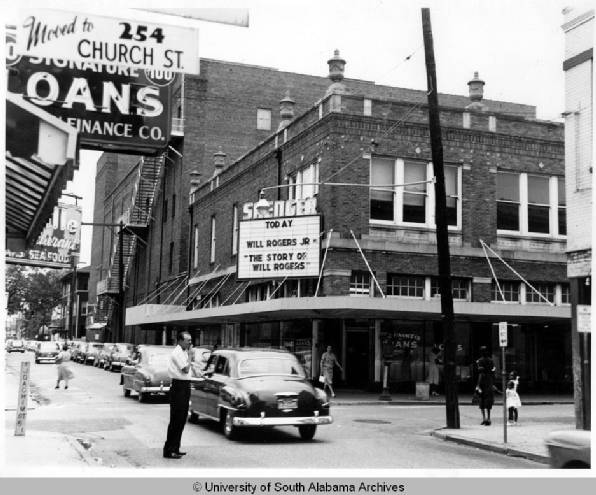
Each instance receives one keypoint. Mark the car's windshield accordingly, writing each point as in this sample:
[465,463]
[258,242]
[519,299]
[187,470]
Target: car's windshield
[121,348]
[48,346]
[269,366]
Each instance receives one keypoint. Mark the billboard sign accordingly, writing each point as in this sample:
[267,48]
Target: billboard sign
[114,108]
[58,242]
[279,247]
[140,40]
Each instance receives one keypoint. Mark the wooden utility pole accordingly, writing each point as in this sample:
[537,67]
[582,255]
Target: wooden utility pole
[451,401]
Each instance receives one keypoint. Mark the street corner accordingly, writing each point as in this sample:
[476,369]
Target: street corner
[42,449]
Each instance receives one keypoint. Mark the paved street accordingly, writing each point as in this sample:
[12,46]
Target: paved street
[114,431]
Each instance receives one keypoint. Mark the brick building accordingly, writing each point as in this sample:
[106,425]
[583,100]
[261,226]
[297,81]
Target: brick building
[579,134]
[376,299]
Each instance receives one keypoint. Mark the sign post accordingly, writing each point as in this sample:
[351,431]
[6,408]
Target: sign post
[503,344]
[22,399]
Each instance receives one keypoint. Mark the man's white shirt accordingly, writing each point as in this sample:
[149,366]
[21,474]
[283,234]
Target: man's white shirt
[179,359]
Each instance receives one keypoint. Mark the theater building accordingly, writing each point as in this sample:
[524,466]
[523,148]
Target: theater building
[324,234]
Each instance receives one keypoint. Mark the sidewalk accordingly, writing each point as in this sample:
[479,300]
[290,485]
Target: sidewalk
[526,439]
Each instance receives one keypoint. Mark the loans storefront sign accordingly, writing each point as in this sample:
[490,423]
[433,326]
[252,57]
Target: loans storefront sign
[114,108]
[279,246]
[139,40]
[58,242]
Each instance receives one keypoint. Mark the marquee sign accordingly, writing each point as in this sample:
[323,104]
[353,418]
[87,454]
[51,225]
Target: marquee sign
[279,247]
[138,40]
[58,242]
[114,108]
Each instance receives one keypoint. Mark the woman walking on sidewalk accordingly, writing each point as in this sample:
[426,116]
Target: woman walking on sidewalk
[328,361]
[63,368]
[485,384]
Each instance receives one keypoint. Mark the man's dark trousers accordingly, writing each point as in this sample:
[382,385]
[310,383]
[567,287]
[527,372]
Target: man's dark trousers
[179,397]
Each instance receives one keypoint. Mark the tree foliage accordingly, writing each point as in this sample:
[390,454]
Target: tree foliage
[33,293]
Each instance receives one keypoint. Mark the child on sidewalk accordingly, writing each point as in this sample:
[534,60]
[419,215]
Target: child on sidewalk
[512,398]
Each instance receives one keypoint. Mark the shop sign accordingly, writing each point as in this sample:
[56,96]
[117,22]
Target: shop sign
[503,333]
[279,247]
[584,318]
[288,208]
[114,108]
[139,40]
[57,243]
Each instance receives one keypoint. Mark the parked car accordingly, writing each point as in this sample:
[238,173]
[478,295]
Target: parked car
[78,351]
[46,351]
[101,356]
[92,352]
[569,449]
[117,356]
[147,373]
[15,346]
[250,387]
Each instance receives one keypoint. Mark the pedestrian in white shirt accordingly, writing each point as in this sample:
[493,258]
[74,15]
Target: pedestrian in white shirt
[179,371]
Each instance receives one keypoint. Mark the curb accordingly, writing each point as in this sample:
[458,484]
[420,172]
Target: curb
[500,449]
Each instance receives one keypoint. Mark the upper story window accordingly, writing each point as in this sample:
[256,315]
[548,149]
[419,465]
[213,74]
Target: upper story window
[235,227]
[510,292]
[263,119]
[171,258]
[460,288]
[212,241]
[492,123]
[405,286]
[304,183]
[367,107]
[411,204]
[565,296]
[360,283]
[195,258]
[547,291]
[165,210]
[531,204]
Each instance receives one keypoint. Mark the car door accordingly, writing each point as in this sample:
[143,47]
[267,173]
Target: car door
[217,381]
[200,392]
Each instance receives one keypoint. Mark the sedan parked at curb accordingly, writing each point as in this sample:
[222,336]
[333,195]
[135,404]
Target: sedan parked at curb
[569,449]
[148,374]
[92,352]
[46,352]
[250,387]
[15,346]
[117,356]
[101,356]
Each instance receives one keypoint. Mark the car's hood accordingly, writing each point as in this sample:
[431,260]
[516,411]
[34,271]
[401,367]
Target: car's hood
[574,439]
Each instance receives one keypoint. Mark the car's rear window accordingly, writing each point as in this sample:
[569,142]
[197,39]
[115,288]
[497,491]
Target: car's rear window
[269,366]
[158,359]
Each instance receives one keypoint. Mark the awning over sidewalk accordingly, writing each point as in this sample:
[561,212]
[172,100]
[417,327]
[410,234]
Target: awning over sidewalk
[41,157]
[348,307]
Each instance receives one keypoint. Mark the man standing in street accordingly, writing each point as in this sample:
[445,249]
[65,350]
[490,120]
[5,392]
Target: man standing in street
[179,371]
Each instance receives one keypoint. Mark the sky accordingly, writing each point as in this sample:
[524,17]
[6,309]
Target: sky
[515,45]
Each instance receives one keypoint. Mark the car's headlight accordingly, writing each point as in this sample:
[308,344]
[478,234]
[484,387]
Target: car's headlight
[237,398]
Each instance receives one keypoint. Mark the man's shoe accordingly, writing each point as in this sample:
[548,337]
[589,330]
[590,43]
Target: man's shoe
[180,453]
[171,455]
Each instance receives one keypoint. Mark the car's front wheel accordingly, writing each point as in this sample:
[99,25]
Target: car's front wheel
[230,431]
[126,392]
[307,432]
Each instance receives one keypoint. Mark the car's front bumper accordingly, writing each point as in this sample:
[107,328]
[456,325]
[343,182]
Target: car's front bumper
[51,359]
[161,389]
[282,421]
